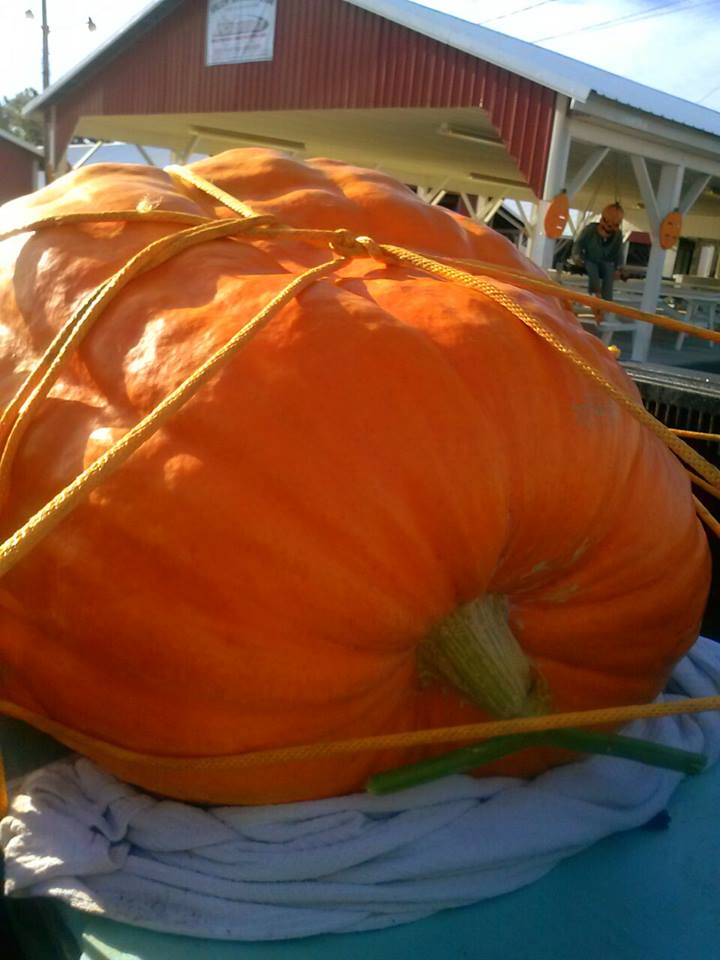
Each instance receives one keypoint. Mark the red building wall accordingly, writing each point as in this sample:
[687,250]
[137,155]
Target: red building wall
[328,54]
[16,171]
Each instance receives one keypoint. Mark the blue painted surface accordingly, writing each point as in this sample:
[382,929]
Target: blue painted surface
[650,893]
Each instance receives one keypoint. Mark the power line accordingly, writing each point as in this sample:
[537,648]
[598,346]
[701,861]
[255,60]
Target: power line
[512,13]
[636,17]
[708,95]
[608,23]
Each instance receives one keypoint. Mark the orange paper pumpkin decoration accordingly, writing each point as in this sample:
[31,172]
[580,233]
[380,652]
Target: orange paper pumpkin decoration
[557,215]
[670,229]
[393,460]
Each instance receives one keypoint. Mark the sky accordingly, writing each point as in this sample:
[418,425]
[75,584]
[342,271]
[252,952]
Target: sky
[673,45]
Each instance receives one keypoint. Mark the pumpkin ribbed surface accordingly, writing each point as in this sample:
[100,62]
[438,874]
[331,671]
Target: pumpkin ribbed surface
[264,570]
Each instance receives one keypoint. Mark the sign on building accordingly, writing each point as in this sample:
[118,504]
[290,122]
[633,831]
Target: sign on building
[239,31]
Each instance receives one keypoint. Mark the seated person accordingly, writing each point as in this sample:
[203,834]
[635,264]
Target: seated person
[599,249]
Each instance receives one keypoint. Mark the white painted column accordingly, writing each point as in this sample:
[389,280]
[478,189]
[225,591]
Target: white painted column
[541,247]
[90,152]
[669,265]
[656,208]
[707,254]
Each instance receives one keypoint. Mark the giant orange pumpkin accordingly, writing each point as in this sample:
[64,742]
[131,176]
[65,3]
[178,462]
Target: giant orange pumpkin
[395,464]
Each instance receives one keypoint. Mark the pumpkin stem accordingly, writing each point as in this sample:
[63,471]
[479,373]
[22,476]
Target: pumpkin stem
[474,649]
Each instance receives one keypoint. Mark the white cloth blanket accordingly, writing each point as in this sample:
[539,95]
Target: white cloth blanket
[347,864]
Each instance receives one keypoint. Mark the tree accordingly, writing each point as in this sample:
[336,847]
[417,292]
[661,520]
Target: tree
[12,120]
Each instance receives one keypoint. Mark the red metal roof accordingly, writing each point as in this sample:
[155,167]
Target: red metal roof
[328,54]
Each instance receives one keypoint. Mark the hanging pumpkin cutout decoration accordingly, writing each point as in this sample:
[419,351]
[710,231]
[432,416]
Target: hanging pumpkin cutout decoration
[557,215]
[670,229]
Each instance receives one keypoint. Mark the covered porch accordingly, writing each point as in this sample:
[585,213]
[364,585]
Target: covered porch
[448,107]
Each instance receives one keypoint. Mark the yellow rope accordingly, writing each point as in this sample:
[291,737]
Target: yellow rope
[516,277]
[187,177]
[678,446]
[695,435]
[707,487]
[345,246]
[106,216]
[608,716]
[707,518]
[40,380]
[47,518]
[558,290]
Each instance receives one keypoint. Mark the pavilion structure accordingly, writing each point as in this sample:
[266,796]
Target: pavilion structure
[440,103]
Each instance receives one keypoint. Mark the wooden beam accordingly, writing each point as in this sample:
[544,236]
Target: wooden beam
[693,192]
[88,153]
[647,192]
[587,170]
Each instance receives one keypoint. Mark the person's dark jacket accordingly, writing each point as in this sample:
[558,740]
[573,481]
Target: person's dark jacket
[591,246]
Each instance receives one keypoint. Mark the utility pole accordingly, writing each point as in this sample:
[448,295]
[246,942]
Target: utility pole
[47,133]
[45,48]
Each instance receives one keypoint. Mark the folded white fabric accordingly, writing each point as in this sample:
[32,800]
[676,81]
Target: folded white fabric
[346,864]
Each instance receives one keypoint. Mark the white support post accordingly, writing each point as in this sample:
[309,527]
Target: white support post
[527,221]
[182,156]
[707,254]
[482,205]
[492,208]
[693,192]
[432,195]
[646,192]
[668,197]
[145,155]
[585,219]
[542,247]
[88,154]
[483,209]
[587,170]
[469,207]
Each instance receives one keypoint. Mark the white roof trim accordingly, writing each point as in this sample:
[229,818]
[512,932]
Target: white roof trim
[553,70]
[18,142]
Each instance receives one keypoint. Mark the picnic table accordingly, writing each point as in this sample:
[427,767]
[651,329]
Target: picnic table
[682,299]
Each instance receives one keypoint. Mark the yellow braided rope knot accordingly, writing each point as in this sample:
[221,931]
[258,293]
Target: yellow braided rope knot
[40,380]
[37,385]
[685,452]
[345,246]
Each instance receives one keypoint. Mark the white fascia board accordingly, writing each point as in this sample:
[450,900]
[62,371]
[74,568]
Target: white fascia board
[588,132]
[660,105]
[653,125]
